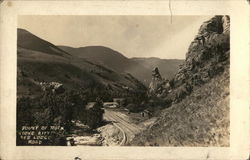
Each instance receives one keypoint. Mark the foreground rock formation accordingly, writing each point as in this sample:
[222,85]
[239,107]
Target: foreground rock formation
[158,86]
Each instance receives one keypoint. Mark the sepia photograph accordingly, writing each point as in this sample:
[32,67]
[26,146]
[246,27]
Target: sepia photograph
[123,80]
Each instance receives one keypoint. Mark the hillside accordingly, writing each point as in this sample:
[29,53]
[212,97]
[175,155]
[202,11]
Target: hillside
[29,41]
[197,105]
[140,68]
[101,55]
[40,61]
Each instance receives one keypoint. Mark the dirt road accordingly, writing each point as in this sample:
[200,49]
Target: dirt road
[121,121]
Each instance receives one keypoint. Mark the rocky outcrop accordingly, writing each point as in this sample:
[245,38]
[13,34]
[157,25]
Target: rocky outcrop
[207,56]
[54,87]
[158,85]
[155,84]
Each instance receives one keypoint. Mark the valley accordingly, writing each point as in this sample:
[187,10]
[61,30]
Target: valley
[103,98]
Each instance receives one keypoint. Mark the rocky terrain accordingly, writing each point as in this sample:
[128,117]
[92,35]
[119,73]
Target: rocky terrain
[197,98]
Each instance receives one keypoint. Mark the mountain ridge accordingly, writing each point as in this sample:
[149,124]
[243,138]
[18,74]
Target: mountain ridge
[135,66]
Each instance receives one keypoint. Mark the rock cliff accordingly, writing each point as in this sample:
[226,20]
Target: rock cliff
[207,57]
[197,112]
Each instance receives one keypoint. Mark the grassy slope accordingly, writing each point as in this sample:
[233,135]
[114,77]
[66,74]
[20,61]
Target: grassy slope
[73,73]
[201,119]
[110,59]
[101,55]
[39,60]
[27,40]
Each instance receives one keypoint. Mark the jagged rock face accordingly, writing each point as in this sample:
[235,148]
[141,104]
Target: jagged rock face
[156,81]
[158,85]
[202,58]
[207,57]
[156,74]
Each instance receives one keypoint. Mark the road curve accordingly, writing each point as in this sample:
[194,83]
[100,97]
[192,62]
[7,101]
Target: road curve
[121,121]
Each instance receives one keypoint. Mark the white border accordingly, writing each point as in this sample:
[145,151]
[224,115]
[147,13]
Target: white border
[239,77]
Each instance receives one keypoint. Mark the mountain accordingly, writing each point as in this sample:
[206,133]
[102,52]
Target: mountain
[40,61]
[101,55]
[29,41]
[110,59]
[197,103]
[139,67]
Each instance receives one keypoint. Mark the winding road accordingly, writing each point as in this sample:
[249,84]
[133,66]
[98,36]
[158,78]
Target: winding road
[121,121]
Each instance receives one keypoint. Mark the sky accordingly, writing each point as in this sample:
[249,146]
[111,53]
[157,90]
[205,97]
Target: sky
[133,36]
